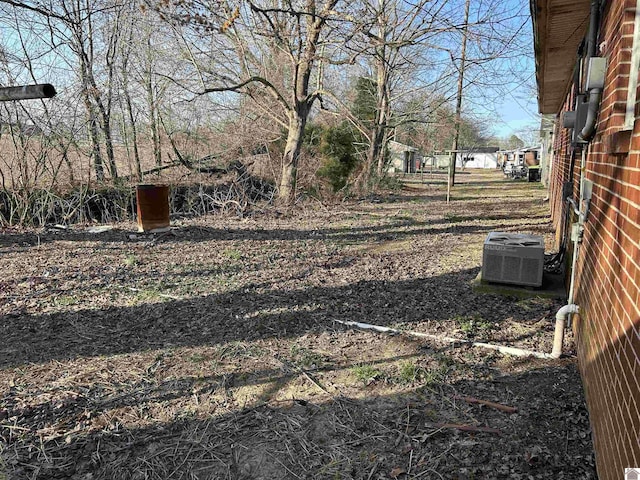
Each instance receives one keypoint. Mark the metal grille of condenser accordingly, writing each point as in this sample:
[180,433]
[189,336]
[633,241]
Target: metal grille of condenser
[513,258]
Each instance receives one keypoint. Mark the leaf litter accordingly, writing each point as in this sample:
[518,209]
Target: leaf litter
[214,352]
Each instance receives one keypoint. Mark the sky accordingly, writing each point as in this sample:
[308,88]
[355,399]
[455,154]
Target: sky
[515,108]
[516,114]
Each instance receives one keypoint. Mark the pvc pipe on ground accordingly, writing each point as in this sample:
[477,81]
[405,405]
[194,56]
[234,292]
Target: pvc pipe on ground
[518,352]
[561,319]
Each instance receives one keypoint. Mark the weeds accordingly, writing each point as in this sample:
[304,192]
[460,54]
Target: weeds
[238,350]
[197,358]
[130,260]
[305,358]
[389,182]
[232,254]
[366,374]
[410,373]
[453,218]
[65,301]
[473,325]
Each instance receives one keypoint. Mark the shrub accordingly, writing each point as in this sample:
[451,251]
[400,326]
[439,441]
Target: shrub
[338,156]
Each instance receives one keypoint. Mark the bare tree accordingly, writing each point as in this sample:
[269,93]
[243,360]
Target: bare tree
[398,46]
[246,39]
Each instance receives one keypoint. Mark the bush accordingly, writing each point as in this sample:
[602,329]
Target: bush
[338,156]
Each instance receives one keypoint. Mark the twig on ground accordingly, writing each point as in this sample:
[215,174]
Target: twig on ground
[497,406]
[299,370]
[467,428]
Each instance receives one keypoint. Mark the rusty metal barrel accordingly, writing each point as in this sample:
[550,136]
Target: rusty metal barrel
[153,207]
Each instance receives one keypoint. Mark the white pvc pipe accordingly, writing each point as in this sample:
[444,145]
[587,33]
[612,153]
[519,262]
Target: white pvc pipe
[518,352]
[561,318]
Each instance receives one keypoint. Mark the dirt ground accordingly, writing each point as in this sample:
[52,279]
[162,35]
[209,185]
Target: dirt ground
[216,352]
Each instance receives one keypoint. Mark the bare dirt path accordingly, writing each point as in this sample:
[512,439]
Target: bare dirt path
[214,351]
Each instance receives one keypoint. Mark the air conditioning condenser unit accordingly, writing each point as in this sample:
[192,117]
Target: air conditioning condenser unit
[513,258]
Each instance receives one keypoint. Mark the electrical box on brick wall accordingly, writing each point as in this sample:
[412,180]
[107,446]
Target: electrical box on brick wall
[576,119]
[596,73]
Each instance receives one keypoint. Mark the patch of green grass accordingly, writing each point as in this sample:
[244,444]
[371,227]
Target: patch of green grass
[528,304]
[409,372]
[453,218]
[149,295]
[305,358]
[197,358]
[366,374]
[130,260]
[473,325]
[65,301]
[232,254]
[433,377]
[238,350]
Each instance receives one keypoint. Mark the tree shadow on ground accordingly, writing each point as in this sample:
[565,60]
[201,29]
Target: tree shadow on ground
[253,312]
[405,435]
[404,227]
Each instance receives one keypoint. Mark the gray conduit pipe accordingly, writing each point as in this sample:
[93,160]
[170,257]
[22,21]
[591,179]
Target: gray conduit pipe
[592,114]
[563,315]
[594,94]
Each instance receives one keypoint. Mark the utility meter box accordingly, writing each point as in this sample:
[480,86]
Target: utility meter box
[582,110]
[513,258]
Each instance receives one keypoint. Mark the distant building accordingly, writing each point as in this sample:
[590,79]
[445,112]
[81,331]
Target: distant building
[403,158]
[478,157]
[472,157]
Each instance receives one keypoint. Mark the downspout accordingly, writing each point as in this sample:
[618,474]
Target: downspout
[595,94]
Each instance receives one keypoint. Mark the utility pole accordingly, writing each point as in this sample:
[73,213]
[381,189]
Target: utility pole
[456,136]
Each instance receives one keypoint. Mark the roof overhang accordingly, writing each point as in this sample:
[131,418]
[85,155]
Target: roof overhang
[558,28]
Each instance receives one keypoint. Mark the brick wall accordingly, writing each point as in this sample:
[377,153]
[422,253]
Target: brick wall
[608,264]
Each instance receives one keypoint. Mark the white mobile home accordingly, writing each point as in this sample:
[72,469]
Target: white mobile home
[478,157]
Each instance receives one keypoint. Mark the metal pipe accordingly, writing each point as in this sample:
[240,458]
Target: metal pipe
[563,317]
[594,95]
[592,114]
[594,20]
[27,92]
[558,337]
[574,205]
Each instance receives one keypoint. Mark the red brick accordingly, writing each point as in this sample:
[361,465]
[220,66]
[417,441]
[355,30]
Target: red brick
[608,271]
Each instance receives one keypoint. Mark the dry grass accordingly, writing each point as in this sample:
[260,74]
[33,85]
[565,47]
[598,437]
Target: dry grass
[213,352]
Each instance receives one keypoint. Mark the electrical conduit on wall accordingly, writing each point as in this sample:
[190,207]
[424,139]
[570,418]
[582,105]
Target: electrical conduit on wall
[632,89]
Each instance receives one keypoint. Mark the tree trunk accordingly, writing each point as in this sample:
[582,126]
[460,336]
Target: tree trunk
[456,137]
[155,137]
[153,110]
[95,143]
[382,113]
[287,191]
[134,134]
[376,149]
[108,142]
[93,134]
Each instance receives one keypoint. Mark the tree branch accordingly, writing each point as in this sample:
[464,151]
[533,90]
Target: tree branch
[255,79]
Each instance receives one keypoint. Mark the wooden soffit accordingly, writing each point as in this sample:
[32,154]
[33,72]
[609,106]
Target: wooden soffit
[558,28]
